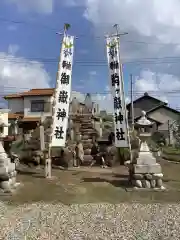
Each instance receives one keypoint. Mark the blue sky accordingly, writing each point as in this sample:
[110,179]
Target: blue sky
[40,42]
[34,38]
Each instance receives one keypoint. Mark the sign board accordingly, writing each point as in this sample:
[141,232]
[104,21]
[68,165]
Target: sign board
[63,93]
[120,124]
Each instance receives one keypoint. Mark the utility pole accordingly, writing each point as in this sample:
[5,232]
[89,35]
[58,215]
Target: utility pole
[132,104]
[122,88]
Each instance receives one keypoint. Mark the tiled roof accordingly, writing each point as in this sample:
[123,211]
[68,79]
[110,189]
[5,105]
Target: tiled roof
[31,119]
[14,115]
[32,92]
[146,96]
[44,92]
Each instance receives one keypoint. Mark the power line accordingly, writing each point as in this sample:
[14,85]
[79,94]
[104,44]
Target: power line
[2,19]
[9,89]
[155,60]
[26,22]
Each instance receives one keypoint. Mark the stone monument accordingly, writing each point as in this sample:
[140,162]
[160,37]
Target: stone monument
[145,172]
[7,169]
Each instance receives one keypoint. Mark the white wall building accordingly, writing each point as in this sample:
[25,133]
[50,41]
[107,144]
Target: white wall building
[31,105]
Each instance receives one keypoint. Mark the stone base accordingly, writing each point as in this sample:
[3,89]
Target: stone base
[9,186]
[145,168]
[146,158]
[147,180]
[52,178]
[135,189]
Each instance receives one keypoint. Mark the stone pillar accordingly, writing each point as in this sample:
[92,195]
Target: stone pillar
[42,143]
[48,168]
[72,134]
[47,165]
[100,128]
[16,127]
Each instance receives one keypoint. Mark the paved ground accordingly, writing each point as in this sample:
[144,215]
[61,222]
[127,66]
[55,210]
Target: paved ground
[90,222]
[90,204]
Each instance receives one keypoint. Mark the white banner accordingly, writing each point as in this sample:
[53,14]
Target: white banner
[120,124]
[63,93]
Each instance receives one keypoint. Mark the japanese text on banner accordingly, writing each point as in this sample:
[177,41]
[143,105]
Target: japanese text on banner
[63,92]
[120,127]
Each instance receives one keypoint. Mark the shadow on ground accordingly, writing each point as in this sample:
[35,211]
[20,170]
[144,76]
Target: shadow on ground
[122,183]
[88,186]
[34,173]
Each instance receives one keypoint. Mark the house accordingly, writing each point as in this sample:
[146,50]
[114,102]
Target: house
[156,110]
[31,105]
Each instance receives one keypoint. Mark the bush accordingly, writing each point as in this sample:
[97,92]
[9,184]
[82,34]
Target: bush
[108,118]
[124,155]
[173,158]
[171,151]
[158,138]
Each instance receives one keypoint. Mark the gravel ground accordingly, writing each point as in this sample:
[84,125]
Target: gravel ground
[90,221]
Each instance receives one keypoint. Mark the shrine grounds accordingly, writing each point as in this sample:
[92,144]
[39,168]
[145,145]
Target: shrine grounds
[90,185]
[90,204]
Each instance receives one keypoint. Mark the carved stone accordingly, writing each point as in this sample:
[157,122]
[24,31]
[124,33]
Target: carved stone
[7,169]
[145,164]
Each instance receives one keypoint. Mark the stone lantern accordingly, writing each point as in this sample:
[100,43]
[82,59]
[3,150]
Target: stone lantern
[7,169]
[145,171]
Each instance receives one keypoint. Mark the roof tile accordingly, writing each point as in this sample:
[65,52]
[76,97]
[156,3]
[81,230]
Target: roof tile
[32,92]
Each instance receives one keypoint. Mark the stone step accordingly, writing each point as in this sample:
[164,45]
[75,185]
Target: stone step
[86,126]
[87,160]
[87,146]
[87,151]
[88,121]
[87,131]
[85,137]
[86,141]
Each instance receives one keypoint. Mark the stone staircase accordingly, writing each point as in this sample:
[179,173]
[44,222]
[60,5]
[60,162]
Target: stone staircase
[87,132]
[85,129]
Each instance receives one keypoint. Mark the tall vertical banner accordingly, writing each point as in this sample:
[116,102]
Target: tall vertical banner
[120,125]
[62,93]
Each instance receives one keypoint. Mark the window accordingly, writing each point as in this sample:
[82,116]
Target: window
[37,106]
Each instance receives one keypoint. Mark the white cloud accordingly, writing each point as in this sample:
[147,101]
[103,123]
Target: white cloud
[73,3]
[148,21]
[19,74]
[148,18]
[40,6]
[93,73]
[13,49]
[159,85]
[151,81]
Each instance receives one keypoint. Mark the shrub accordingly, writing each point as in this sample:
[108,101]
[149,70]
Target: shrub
[124,155]
[171,151]
[158,138]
